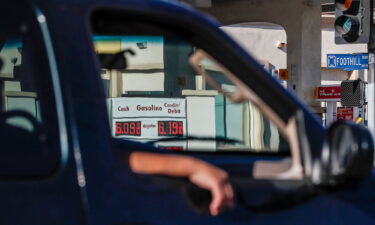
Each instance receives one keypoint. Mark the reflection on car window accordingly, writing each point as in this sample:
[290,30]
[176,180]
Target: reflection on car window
[28,124]
[19,88]
[160,98]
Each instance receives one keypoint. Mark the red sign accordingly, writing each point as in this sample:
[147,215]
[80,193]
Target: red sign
[172,148]
[328,93]
[345,113]
[283,74]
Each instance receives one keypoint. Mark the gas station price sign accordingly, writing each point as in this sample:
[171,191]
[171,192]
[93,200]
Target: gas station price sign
[148,118]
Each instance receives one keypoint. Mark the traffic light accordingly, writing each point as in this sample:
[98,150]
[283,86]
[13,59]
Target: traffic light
[353,21]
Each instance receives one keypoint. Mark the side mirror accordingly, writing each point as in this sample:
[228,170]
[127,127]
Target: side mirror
[348,154]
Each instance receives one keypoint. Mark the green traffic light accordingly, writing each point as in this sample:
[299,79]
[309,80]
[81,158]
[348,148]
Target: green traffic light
[353,21]
[347,25]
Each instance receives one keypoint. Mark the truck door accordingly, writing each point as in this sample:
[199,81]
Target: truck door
[172,88]
[38,179]
[173,81]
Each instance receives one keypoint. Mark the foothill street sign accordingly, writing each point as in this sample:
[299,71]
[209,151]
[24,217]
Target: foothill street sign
[347,62]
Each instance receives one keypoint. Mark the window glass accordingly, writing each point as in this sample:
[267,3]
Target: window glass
[19,90]
[28,128]
[159,97]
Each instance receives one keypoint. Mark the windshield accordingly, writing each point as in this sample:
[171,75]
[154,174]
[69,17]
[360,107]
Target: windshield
[154,95]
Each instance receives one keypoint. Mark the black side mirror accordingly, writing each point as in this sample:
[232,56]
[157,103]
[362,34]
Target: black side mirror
[348,155]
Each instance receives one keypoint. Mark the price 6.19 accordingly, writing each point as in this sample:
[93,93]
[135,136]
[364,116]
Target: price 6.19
[170,128]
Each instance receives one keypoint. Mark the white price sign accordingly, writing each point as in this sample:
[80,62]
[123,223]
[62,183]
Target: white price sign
[148,107]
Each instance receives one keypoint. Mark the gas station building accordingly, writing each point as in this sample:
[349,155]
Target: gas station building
[268,43]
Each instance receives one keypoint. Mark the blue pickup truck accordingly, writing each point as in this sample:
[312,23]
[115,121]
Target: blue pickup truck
[84,81]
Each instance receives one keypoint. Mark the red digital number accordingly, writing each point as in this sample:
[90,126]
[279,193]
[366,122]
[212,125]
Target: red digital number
[175,128]
[161,129]
[180,128]
[170,128]
[132,128]
[118,128]
[138,129]
[128,128]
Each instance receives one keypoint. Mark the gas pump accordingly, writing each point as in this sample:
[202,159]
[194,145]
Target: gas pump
[331,96]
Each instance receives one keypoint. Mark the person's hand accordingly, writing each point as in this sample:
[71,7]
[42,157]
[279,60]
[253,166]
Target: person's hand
[216,181]
[199,172]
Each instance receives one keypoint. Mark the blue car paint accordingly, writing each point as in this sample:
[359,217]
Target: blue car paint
[113,194]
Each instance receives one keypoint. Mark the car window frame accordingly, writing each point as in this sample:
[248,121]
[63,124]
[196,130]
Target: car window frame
[289,117]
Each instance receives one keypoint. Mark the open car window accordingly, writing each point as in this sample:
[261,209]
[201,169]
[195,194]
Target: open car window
[155,95]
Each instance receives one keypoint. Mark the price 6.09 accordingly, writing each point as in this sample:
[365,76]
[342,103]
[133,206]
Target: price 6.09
[170,128]
[132,128]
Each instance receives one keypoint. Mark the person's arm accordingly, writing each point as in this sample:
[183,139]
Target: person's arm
[200,173]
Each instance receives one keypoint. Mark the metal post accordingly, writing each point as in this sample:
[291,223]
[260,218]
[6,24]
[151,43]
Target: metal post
[370,94]
[331,113]
[371,77]
[371,90]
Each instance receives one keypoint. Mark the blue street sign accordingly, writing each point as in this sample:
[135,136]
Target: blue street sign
[347,62]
